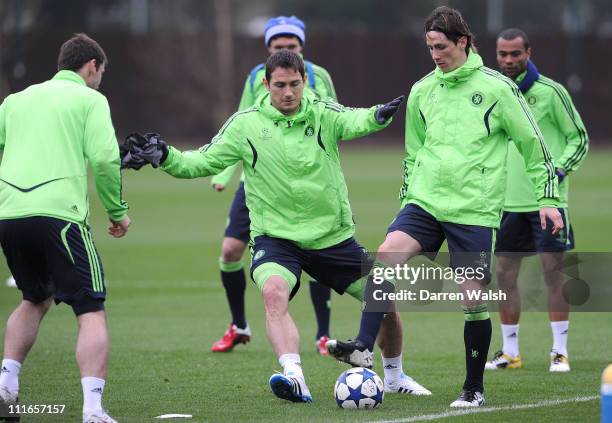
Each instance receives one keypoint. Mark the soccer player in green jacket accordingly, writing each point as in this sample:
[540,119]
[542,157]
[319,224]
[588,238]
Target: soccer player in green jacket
[49,133]
[281,33]
[458,121]
[297,200]
[520,233]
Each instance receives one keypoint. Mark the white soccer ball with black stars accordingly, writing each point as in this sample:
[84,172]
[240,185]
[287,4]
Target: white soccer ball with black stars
[359,388]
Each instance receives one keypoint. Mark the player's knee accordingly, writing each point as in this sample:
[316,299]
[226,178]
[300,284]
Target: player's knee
[41,307]
[388,246]
[232,250]
[46,305]
[393,322]
[551,266]
[275,295]
[506,278]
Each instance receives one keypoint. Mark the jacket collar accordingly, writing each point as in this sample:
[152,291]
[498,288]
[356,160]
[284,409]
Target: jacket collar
[264,105]
[462,73]
[68,75]
[526,79]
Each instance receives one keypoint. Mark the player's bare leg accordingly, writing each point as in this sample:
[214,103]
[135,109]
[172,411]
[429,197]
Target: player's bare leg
[21,331]
[558,310]
[508,268]
[22,328]
[92,345]
[507,276]
[92,350]
[285,340]
[281,329]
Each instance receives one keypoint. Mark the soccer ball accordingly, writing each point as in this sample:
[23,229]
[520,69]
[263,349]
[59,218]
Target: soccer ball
[359,388]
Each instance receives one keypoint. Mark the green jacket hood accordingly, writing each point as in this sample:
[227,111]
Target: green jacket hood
[463,72]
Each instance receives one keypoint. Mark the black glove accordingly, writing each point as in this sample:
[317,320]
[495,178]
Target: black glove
[560,174]
[384,112]
[132,142]
[149,148]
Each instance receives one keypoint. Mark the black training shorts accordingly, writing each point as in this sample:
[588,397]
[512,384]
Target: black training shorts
[51,257]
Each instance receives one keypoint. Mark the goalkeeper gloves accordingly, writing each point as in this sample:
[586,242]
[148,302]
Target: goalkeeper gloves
[384,112]
[138,150]
[132,142]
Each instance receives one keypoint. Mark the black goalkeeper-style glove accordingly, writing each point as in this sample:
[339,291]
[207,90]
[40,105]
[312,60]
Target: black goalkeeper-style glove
[133,142]
[384,112]
[149,148]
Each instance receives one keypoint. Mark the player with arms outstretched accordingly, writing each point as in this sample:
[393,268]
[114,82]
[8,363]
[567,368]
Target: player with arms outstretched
[281,33]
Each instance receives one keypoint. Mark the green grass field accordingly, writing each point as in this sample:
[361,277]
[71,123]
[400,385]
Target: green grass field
[166,306]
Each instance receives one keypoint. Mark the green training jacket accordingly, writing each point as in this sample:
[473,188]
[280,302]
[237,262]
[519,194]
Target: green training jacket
[254,88]
[49,132]
[295,187]
[457,129]
[565,136]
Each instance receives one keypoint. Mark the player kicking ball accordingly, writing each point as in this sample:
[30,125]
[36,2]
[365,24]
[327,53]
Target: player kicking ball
[297,199]
[458,121]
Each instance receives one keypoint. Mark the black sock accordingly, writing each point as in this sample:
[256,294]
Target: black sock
[373,311]
[235,285]
[320,295]
[477,337]
[369,327]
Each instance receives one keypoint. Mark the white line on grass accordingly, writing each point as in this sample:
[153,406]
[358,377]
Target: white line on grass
[465,411]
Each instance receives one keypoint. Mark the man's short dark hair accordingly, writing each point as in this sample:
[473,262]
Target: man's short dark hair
[513,33]
[449,21]
[284,59]
[79,50]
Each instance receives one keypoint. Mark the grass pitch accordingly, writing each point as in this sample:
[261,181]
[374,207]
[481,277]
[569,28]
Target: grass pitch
[166,306]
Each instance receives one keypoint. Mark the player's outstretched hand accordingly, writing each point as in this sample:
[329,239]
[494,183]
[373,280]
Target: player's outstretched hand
[384,112]
[552,214]
[119,228]
[218,187]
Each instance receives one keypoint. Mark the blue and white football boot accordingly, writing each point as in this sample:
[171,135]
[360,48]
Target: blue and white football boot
[291,388]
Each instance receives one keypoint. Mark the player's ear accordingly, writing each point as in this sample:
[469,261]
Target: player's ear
[266,84]
[462,42]
[91,66]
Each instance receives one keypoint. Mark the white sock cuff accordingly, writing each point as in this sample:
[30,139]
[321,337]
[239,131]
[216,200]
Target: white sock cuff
[90,382]
[396,361]
[9,363]
[562,325]
[288,358]
[514,328]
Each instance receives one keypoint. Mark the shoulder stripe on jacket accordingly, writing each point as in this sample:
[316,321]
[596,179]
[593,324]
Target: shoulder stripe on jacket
[224,127]
[548,162]
[582,148]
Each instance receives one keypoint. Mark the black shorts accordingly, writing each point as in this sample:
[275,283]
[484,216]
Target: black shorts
[470,246]
[51,257]
[238,221]
[522,233]
[336,267]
